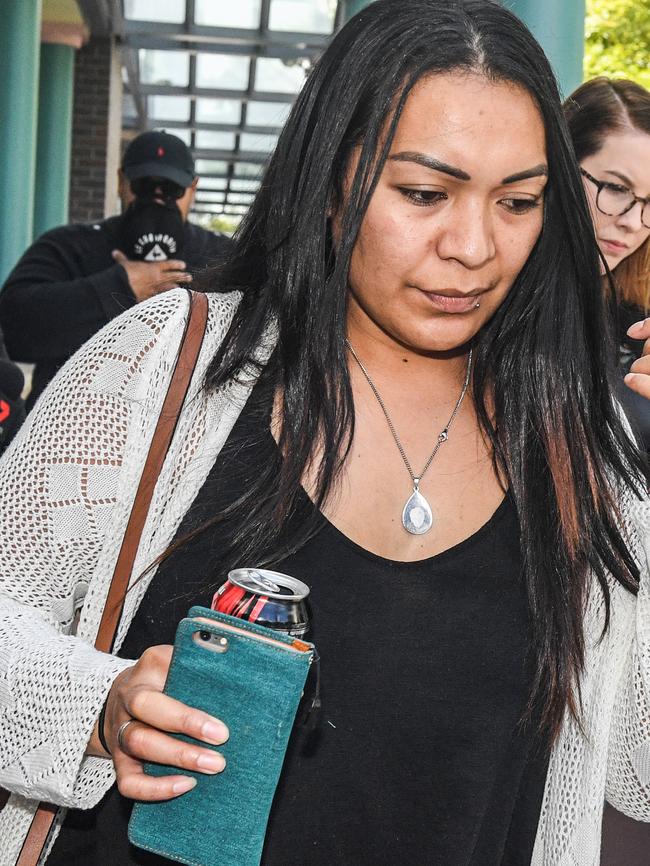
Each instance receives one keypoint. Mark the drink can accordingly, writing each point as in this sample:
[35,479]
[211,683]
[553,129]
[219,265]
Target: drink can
[269,598]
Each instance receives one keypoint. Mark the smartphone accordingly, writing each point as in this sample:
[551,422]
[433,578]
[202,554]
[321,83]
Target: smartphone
[251,678]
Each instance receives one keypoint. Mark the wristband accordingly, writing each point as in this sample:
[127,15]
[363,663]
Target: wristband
[100,728]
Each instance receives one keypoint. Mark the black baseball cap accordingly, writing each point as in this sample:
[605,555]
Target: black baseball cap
[159,154]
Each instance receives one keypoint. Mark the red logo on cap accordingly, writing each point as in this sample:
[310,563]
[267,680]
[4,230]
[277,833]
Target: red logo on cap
[161,151]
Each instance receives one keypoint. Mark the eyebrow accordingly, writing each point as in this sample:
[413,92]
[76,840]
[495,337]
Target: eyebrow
[536,171]
[626,180]
[458,173]
[430,162]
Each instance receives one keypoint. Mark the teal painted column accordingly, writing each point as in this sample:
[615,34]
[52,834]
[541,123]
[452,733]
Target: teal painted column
[20,34]
[351,7]
[559,27]
[54,138]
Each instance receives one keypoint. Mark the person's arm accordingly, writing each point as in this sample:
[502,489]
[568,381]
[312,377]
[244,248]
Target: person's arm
[66,487]
[47,311]
[628,766]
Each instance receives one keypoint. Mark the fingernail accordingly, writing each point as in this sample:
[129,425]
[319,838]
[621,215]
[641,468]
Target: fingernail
[630,377]
[635,328]
[211,762]
[183,785]
[214,732]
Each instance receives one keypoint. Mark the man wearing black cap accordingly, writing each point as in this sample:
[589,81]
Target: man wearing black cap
[75,278]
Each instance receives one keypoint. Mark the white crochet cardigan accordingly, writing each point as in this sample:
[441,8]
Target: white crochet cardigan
[66,487]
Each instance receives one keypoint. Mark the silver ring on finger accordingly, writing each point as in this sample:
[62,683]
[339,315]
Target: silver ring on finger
[121,731]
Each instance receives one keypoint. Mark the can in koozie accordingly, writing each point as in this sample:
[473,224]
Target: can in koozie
[268,598]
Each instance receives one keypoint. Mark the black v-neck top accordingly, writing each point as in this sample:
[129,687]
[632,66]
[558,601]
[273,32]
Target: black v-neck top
[419,756]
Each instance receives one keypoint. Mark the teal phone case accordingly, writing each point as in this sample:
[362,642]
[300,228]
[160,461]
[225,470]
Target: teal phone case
[254,688]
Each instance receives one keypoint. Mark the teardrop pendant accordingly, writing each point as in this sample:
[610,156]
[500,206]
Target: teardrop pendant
[416,516]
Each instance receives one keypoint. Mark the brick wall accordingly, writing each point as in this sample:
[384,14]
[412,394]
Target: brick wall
[93,138]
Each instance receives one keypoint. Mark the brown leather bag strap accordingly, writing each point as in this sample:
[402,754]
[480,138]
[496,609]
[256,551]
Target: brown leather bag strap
[188,354]
[162,437]
[39,830]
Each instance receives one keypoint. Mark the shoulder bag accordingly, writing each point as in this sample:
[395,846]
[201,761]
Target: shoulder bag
[188,353]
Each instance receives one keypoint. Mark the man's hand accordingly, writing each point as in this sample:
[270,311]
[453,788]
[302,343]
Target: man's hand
[638,379]
[150,278]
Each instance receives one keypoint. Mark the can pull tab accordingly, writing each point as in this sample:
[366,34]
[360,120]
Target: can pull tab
[312,707]
[264,581]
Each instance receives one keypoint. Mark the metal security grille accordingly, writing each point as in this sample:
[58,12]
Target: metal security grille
[222,75]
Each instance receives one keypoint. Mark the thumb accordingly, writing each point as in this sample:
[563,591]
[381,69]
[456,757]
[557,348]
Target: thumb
[119,257]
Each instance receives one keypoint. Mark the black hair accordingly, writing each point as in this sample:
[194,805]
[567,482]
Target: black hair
[542,359]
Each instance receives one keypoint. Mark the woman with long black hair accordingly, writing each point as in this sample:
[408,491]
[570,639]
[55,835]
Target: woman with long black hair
[402,399]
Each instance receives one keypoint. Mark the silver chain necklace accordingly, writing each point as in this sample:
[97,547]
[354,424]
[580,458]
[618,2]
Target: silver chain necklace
[417,517]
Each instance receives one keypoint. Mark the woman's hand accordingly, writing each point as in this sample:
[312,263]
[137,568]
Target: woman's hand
[638,379]
[137,694]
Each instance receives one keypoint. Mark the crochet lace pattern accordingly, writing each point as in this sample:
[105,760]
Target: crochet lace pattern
[66,488]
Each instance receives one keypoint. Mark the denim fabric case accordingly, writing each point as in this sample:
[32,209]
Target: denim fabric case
[255,688]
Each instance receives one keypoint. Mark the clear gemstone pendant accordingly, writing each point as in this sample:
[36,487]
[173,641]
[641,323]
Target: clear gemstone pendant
[416,516]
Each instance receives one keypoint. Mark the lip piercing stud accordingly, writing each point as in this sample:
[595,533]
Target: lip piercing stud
[477,305]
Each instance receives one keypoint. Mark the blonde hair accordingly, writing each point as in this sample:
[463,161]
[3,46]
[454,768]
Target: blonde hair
[632,278]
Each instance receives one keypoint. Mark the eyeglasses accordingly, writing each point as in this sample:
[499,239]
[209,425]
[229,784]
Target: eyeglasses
[152,187]
[613,199]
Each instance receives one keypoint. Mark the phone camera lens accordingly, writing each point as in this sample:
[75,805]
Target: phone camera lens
[205,635]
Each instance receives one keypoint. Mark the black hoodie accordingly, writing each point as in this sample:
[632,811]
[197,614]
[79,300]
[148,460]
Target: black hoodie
[67,286]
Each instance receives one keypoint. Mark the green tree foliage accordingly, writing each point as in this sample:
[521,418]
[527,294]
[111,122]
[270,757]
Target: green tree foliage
[618,39]
[217,222]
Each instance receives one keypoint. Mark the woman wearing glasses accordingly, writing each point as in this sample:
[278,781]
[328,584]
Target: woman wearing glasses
[609,122]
